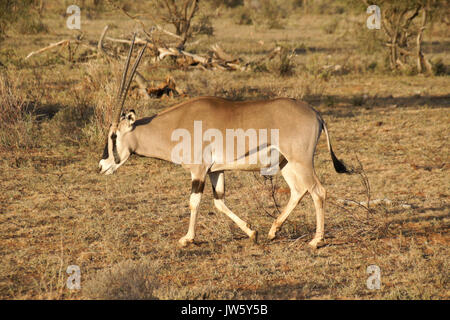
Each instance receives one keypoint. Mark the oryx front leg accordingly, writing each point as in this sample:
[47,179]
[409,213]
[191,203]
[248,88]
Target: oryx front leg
[194,202]
[218,185]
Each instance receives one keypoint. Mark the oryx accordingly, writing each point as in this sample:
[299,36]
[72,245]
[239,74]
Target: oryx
[299,127]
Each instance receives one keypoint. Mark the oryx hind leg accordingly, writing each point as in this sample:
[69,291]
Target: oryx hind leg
[318,194]
[198,184]
[218,185]
[301,179]
[298,190]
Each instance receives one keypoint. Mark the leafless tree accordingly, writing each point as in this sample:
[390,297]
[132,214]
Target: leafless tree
[403,30]
[179,13]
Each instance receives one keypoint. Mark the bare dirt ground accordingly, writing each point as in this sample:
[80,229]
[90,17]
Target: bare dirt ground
[122,230]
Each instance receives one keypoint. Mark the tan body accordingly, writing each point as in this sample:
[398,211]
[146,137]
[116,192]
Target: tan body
[299,127]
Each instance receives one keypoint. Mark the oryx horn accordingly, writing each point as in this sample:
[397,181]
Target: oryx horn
[123,89]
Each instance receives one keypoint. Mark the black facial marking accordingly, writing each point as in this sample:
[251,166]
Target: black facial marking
[197,186]
[115,153]
[105,152]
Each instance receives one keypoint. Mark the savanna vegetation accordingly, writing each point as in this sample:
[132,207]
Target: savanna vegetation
[384,94]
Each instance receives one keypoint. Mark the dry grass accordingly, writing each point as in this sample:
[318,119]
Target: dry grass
[55,210]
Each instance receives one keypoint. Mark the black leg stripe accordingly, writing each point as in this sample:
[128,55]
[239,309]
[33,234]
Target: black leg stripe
[197,186]
[218,195]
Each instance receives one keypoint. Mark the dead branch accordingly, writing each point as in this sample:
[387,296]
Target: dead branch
[100,50]
[189,9]
[138,41]
[399,28]
[222,55]
[53,45]
[159,28]
[131,17]
[366,184]
[422,62]
[196,58]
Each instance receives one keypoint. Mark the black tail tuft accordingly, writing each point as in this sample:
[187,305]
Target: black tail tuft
[339,165]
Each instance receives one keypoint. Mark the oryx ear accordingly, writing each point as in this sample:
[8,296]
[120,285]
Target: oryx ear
[131,117]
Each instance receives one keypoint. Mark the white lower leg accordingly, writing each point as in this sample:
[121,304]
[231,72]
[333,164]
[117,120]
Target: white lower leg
[220,205]
[293,201]
[194,203]
[319,201]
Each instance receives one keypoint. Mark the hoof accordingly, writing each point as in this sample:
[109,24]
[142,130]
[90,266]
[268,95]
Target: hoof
[316,243]
[254,236]
[272,233]
[184,242]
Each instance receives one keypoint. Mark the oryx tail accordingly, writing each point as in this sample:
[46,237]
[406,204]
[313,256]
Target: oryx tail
[339,166]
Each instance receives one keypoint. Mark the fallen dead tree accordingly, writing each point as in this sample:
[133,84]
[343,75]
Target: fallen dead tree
[161,45]
[217,59]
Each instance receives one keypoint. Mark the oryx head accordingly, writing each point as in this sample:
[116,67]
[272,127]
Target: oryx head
[119,141]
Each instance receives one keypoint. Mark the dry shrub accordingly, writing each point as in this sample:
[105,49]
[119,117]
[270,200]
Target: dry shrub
[102,85]
[127,280]
[362,218]
[325,7]
[368,41]
[268,13]
[440,68]
[203,26]
[359,222]
[30,24]
[331,27]
[16,118]
[310,87]
[87,118]
[20,15]
[272,14]
[226,3]
[243,16]
[283,65]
